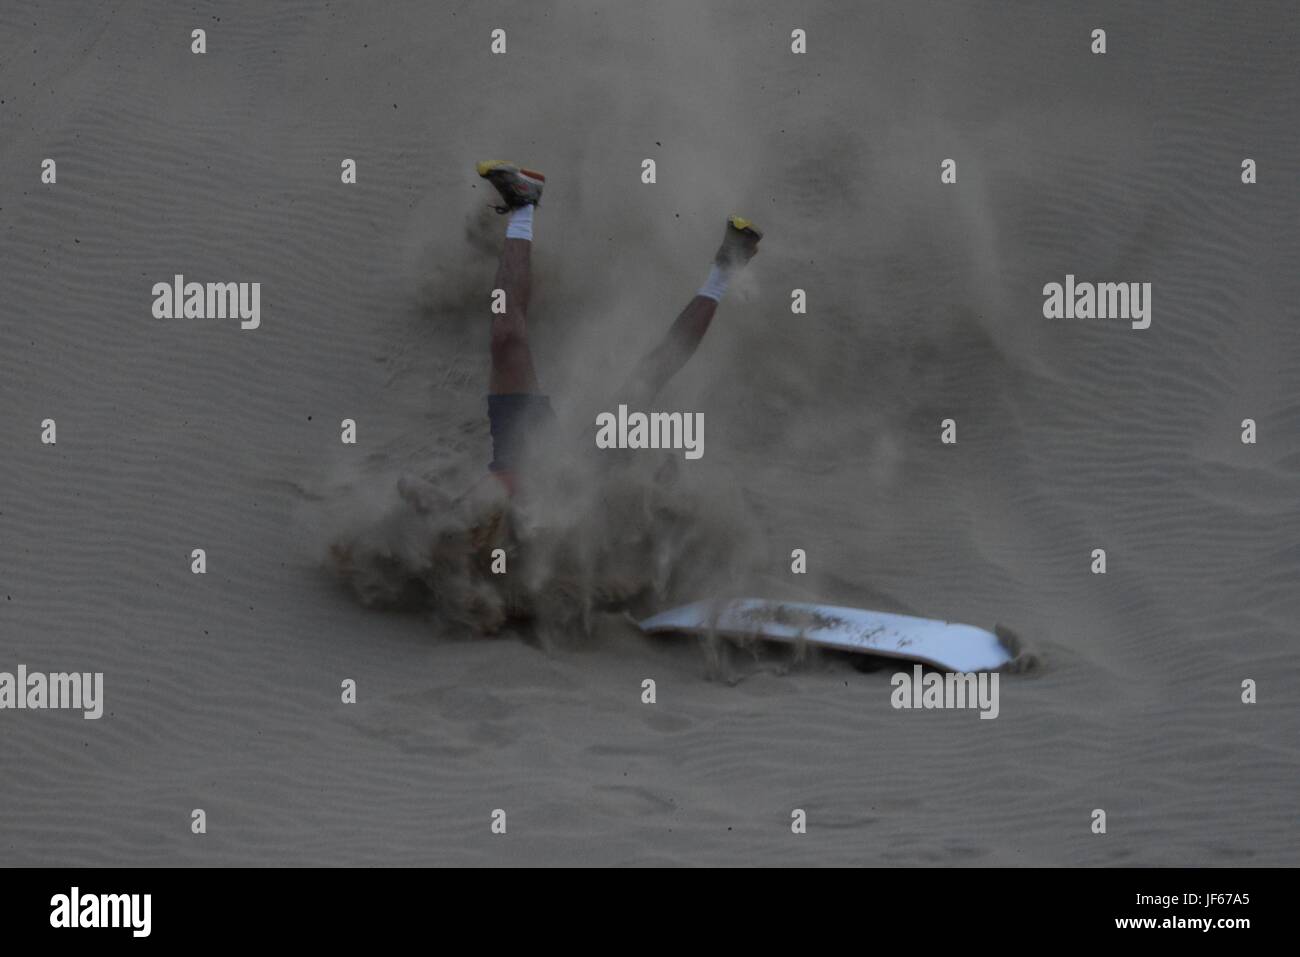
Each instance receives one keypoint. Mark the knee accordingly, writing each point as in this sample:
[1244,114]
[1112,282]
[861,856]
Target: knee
[507,336]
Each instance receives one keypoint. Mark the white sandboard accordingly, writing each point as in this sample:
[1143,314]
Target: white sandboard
[945,645]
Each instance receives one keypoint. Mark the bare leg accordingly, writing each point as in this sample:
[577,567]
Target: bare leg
[512,362]
[666,359]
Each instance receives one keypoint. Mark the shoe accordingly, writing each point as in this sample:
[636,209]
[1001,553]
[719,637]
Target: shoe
[739,244]
[518,187]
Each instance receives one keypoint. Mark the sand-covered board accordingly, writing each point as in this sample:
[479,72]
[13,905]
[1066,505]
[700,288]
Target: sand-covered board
[945,645]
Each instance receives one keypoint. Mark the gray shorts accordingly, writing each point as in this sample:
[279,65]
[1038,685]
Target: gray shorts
[514,417]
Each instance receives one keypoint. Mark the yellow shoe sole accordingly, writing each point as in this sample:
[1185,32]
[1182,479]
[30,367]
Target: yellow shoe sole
[488,166]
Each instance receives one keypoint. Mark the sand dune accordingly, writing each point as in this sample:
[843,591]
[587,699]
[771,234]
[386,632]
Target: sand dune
[222,690]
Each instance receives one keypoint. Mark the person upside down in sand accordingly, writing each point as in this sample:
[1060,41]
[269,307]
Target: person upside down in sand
[520,414]
[516,405]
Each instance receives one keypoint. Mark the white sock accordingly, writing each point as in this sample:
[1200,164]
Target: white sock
[716,284]
[520,224]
